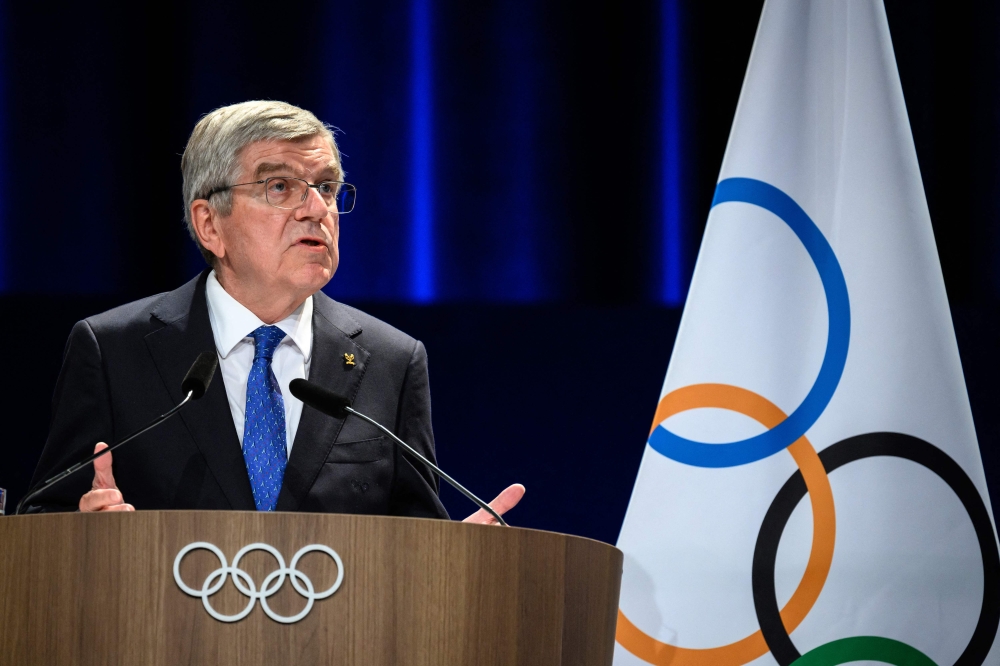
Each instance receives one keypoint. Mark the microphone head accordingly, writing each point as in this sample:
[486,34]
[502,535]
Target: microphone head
[200,375]
[319,398]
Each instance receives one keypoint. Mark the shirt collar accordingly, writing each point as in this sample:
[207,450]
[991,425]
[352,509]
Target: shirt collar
[232,322]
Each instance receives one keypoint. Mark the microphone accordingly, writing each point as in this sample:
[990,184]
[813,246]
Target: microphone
[338,406]
[195,383]
[199,375]
[319,398]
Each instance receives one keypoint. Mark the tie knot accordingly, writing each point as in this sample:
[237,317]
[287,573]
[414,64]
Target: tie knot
[266,339]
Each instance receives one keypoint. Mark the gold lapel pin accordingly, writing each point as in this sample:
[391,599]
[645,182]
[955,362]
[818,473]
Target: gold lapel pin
[348,359]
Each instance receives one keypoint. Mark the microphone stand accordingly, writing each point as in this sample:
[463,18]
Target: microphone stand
[454,484]
[45,485]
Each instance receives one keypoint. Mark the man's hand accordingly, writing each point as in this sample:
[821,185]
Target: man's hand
[503,503]
[104,494]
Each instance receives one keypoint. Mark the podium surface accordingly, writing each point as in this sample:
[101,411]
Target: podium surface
[102,589]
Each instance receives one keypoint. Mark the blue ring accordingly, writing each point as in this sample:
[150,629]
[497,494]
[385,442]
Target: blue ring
[700,454]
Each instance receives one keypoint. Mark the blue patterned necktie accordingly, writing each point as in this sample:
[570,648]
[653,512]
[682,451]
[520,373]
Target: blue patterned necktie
[264,427]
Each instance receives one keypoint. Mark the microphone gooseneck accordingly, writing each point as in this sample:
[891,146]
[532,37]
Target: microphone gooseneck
[195,383]
[338,406]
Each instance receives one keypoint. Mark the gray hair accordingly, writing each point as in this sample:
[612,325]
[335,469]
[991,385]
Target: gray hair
[212,156]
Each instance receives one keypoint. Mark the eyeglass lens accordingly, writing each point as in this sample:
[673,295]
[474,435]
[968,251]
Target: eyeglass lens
[292,192]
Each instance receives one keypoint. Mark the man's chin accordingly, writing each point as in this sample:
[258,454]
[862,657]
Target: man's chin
[313,277]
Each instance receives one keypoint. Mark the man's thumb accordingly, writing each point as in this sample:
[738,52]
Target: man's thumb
[103,477]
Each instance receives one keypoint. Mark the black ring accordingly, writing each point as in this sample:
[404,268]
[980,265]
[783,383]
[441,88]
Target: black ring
[855,448]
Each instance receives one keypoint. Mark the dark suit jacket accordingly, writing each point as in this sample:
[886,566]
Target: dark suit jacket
[124,367]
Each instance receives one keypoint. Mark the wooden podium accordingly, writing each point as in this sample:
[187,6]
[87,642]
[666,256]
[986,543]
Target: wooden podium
[102,589]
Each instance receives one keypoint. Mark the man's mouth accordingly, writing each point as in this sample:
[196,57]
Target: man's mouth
[311,242]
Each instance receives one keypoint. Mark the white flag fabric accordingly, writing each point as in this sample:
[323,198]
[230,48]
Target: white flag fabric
[812,491]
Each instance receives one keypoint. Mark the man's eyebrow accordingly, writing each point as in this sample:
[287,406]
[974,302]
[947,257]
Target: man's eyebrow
[265,168]
[270,167]
[331,169]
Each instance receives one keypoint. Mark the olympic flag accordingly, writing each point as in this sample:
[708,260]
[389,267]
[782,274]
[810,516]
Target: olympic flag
[811,491]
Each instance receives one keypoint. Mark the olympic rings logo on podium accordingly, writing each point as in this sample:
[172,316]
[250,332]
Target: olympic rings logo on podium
[245,584]
[787,432]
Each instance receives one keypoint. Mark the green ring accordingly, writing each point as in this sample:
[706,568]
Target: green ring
[860,648]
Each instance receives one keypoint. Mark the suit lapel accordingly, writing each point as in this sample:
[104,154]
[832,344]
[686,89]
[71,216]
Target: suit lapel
[187,332]
[333,330]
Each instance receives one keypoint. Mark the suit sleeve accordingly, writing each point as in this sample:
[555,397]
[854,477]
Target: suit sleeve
[81,417]
[415,487]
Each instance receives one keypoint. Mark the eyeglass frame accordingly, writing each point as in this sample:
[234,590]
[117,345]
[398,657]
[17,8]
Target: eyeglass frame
[314,186]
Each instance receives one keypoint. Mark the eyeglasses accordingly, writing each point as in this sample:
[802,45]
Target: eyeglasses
[290,193]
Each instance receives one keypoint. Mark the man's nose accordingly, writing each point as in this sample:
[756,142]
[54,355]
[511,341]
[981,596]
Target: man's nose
[314,207]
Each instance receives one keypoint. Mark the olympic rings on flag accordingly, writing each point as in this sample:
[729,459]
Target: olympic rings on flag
[853,649]
[789,432]
[700,454]
[760,409]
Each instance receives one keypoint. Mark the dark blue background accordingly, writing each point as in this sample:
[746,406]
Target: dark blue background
[533,179]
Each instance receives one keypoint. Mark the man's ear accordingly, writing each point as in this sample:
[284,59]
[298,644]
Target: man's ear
[205,220]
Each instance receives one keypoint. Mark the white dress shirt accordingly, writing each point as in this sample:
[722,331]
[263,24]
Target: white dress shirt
[232,324]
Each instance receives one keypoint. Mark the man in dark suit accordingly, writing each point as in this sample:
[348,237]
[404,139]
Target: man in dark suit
[264,191]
